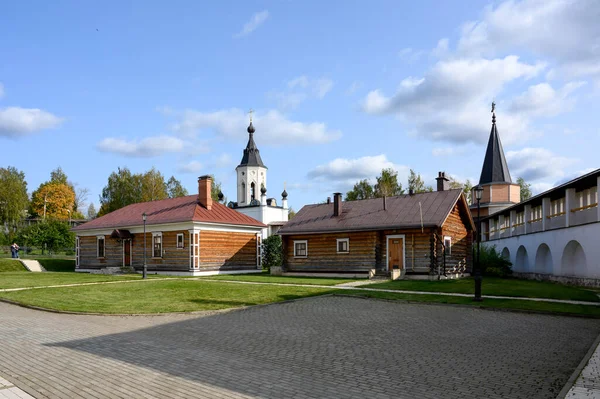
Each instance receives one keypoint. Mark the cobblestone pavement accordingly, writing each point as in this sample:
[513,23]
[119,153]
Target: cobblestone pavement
[335,347]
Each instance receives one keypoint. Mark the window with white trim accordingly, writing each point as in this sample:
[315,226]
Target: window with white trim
[100,246]
[300,249]
[180,242]
[343,245]
[448,245]
[157,245]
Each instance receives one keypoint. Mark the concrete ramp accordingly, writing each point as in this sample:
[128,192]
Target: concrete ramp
[32,265]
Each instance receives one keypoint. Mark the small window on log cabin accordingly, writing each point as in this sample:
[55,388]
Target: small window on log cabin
[343,245]
[157,245]
[300,249]
[100,246]
[179,241]
[448,245]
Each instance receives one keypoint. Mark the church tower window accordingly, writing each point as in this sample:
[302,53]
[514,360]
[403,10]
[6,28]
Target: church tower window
[252,191]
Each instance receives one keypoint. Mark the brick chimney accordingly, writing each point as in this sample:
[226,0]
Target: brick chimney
[443,183]
[204,186]
[337,204]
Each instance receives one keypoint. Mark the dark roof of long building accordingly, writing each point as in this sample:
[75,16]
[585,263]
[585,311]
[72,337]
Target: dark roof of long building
[251,155]
[495,169]
[401,212]
[172,210]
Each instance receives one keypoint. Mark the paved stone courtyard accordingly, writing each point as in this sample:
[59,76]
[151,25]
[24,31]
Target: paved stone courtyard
[334,347]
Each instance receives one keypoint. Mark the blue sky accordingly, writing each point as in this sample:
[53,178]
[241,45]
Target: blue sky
[340,89]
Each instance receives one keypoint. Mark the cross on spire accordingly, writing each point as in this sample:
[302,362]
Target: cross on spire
[493,112]
[250,113]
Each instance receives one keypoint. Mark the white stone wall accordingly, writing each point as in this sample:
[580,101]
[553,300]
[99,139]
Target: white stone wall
[567,252]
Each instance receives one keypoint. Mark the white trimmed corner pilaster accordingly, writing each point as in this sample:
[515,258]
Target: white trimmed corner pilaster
[569,204]
[512,222]
[526,215]
[194,235]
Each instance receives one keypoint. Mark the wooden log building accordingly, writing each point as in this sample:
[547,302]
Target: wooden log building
[426,233]
[190,235]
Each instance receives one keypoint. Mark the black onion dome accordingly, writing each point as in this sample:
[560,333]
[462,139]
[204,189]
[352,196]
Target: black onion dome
[251,128]
[251,155]
[284,194]
[221,196]
[263,190]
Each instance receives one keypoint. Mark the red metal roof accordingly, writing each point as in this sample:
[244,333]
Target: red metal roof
[172,210]
[402,211]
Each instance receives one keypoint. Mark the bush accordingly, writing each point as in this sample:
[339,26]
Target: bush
[272,252]
[492,262]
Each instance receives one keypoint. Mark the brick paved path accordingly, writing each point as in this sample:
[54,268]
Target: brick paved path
[334,347]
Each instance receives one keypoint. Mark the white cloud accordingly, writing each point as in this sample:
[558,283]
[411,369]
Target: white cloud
[300,89]
[354,87]
[448,151]
[145,148]
[537,165]
[441,50]
[223,161]
[410,55]
[190,167]
[257,19]
[351,170]
[16,121]
[565,31]
[542,99]
[272,127]
[449,101]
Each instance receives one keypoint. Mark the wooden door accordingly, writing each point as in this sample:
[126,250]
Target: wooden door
[126,252]
[396,253]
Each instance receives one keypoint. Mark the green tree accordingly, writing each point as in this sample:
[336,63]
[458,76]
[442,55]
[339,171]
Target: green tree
[525,189]
[13,196]
[175,189]
[154,186]
[272,251]
[361,190]
[59,176]
[416,183]
[215,189]
[123,188]
[467,187]
[91,212]
[387,184]
[291,213]
[48,234]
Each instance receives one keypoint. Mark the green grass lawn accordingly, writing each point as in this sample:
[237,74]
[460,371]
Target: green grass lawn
[265,277]
[29,279]
[10,265]
[57,265]
[512,304]
[158,296]
[495,286]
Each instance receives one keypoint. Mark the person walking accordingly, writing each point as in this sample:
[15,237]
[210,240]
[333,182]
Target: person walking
[12,251]
[15,250]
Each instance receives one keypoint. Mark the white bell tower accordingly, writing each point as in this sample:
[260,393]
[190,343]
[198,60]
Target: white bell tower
[251,173]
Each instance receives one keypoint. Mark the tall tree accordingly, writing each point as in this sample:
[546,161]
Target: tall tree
[59,176]
[416,183]
[466,187]
[387,184]
[91,212]
[215,189]
[123,188]
[525,189]
[153,186]
[13,196]
[81,195]
[175,189]
[291,213]
[361,190]
[53,200]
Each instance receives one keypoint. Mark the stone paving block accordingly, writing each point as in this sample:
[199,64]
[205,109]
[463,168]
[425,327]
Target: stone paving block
[314,348]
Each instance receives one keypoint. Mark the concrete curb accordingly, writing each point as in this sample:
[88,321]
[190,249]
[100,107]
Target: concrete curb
[571,381]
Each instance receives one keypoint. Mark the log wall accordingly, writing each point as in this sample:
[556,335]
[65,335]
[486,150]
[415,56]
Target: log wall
[455,226]
[417,249]
[227,251]
[323,255]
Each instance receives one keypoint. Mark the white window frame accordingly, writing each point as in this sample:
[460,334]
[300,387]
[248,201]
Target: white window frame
[337,245]
[154,235]
[448,247]
[98,239]
[182,241]
[305,242]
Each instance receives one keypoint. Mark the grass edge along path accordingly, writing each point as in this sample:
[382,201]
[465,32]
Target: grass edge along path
[219,300]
